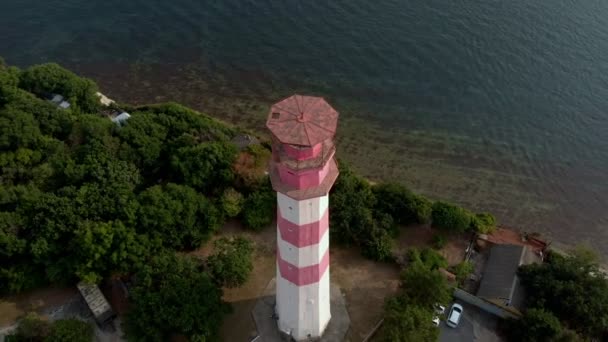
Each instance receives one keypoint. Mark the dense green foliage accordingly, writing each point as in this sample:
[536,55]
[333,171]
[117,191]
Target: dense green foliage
[407,323]
[70,330]
[450,217]
[174,296]
[259,208]
[536,325]
[463,270]
[81,197]
[231,264]
[32,328]
[483,223]
[572,288]
[408,315]
[401,204]
[354,220]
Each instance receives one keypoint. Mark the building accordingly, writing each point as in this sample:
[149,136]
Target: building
[302,171]
[59,101]
[97,303]
[121,118]
[500,284]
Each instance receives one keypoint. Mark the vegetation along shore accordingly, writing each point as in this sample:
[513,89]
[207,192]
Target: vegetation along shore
[147,200]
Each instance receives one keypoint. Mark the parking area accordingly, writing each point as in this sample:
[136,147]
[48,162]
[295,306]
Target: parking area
[475,326]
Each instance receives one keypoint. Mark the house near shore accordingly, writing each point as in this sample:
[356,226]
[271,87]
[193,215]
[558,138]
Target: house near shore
[500,283]
[59,101]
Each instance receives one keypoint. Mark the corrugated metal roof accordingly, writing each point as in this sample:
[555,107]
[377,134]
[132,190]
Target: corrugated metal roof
[500,273]
[302,120]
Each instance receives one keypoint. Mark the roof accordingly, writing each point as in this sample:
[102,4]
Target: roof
[302,120]
[96,301]
[121,117]
[500,274]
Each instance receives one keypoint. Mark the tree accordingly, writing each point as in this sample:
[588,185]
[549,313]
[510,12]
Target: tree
[174,296]
[143,141]
[404,206]
[463,270]
[427,257]
[230,264]
[405,322]
[378,246]
[483,223]
[424,286]
[32,328]
[536,325]
[450,217]
[259,209]
[572,288]
[231,202]
[70,330]
[49,78]
[206,166]
[178,215]
[351,206]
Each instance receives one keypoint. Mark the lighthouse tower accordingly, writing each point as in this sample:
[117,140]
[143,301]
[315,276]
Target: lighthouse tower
[302,171]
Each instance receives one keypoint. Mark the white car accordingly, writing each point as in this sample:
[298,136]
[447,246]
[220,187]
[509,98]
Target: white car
[436,321]
[439,309]
[454,316]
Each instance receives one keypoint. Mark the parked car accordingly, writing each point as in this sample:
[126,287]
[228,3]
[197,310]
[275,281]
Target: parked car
[436,321]
[439,309]
[454,316]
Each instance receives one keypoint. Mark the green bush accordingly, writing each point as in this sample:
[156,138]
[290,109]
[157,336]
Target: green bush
[439,241]
[483,223]
[450,217]
[378,246]
[463,270]
[427,257]
[32,328]
[401,204]
[259,209]
[173,295]
[407,322]
[70,330]
[231,264]
[51,78]
[232,202]
[537,325]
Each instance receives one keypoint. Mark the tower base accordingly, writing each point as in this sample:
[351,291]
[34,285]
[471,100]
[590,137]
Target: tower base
[266,321]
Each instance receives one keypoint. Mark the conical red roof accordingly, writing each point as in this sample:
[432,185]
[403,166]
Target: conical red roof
[302,120]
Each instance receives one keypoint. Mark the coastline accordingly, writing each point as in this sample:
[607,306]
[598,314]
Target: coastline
[437,165]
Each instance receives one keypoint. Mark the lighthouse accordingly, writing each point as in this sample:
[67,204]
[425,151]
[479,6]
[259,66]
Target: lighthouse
[302,171]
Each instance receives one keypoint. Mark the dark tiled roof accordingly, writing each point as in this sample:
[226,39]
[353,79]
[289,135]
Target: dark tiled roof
[302,120]
[499,276]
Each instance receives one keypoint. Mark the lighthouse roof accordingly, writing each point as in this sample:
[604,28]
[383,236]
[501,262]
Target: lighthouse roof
[302,120]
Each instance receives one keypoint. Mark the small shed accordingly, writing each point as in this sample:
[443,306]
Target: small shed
[59,100]
[97,303]
[242,141]
[500,283]
[121,118]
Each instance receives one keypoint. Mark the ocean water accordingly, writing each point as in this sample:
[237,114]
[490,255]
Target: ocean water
[500,105]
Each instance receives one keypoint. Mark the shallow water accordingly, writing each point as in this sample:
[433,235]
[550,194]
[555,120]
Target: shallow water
[499,105]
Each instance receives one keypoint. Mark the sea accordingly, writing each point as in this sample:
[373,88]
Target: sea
[501,106]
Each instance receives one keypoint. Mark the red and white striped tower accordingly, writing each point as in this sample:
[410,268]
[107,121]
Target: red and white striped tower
[302,171]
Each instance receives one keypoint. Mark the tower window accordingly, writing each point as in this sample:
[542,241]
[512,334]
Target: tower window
[276,115]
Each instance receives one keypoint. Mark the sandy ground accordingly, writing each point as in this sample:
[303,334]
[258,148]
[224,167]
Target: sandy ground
[365,284]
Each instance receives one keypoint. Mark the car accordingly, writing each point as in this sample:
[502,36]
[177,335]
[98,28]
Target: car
[436,321]
[454,316]
[439,309]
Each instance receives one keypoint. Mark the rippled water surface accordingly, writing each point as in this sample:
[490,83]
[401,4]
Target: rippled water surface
[501,105]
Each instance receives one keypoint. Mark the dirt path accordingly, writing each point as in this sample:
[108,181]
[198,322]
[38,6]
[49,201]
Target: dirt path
[14,307]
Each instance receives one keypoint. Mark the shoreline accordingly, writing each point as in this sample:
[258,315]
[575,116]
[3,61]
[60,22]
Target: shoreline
[439,166]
